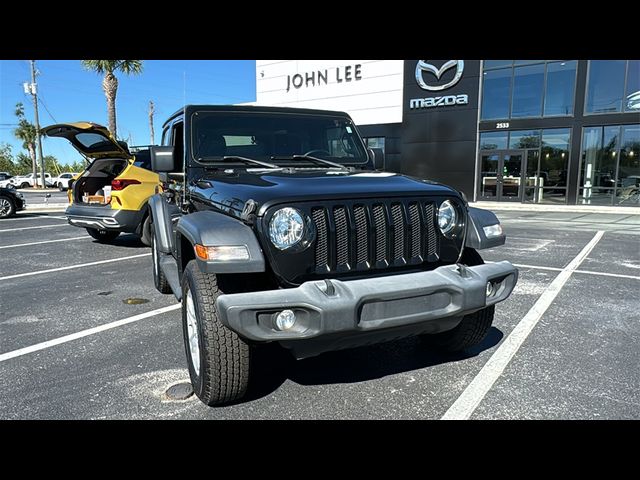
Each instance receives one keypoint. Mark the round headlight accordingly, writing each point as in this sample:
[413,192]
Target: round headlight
[286,228]
[447,217]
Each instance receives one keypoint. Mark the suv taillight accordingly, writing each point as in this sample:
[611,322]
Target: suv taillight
[122,184]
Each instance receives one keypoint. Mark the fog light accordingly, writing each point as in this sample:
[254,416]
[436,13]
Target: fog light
[285,320]
[490,288]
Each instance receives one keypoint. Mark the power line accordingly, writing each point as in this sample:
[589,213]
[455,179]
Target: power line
[46,108]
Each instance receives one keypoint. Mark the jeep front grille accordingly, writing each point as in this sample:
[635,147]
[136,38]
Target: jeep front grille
[363,235]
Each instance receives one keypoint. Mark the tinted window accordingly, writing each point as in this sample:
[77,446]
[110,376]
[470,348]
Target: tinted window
[275,135]
[555,156]
[496,92]
[605,86]
[493,140]
[497,63]
[90,140]
[561,79]
[524,139]
[527,91]
[632,94]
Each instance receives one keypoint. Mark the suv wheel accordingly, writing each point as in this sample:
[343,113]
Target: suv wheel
[103,236]
[60,187]
[7,208]
[24,185]
[473,327]
[469,332]
[145,231]
[218,358]
[159,278]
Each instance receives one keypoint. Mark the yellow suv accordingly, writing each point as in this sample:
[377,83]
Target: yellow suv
[110,196]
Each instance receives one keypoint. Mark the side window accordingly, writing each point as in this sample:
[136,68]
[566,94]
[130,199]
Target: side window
[166,136]
[178,141]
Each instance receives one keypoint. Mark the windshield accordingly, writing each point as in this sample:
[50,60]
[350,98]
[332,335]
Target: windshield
[274,137]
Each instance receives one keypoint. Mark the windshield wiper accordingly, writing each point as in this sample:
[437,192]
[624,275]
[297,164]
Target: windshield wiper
[231,158]
[321,161]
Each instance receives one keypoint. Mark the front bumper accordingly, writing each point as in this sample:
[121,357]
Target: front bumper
[425,301]
[104,217]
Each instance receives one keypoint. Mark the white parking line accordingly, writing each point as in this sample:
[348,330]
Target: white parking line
[46,241]
[471,397]
[590,272]
[31,228]
[619,275]
[37,217]
[85,333]
[70,267]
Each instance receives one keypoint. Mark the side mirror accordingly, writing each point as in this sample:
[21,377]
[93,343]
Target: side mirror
[377,158]
[162,159]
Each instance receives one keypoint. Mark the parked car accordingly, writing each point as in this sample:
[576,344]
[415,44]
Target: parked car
[5,176]
[62,180]
[7,182]
[10,202]
[26,181]
[110,197]
[275,226]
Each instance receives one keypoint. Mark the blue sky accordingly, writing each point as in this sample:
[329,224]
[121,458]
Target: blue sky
[69,93]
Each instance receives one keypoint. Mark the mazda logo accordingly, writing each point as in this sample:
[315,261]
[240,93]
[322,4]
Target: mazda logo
[424,66]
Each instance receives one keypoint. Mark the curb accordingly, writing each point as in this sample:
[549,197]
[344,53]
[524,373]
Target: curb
[525,207]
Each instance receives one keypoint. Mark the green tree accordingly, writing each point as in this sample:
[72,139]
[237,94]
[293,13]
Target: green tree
[26,132]
[23,163]
[110,82]
[6,159]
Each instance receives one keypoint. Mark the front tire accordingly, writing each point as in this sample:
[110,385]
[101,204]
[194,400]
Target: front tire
[218,359]
[103,236]
[24,185]
[145,231]
[471,331]
[60,187]
[7,207]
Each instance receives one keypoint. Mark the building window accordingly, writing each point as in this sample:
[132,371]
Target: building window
[527,88]
[374,142]
[613,86]
[610,170]
[554,160]
[560,88]
[528,82]
[632,92]
[496,92]
[494,140]
[545,160]
[524,139]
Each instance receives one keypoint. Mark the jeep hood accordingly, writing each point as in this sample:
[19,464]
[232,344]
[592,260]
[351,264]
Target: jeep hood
[229,191]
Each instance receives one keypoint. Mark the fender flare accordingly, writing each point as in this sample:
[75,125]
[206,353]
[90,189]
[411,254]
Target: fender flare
[159,210]
[476,238]
[215,229]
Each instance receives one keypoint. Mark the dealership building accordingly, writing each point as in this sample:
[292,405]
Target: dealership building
[539,131]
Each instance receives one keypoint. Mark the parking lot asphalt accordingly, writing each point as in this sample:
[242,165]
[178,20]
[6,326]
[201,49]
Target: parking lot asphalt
[63,357]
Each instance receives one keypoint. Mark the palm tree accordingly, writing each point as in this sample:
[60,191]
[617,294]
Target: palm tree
[26,132]
[110,82]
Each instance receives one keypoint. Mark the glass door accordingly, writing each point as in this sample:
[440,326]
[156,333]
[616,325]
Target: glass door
[501,175]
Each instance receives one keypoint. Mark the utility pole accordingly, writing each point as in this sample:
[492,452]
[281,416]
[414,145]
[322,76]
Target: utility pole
[151,112]
[34,94]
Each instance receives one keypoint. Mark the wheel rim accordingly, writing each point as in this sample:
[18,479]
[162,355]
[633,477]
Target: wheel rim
[5,207]
[192,334]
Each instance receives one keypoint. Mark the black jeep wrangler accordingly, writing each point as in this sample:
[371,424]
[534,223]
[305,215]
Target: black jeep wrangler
[275,226]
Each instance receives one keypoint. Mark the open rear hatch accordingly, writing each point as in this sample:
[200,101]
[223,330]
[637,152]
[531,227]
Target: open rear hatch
[108,156]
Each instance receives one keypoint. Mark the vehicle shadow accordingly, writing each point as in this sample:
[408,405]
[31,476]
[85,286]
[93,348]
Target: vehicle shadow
[274,365]
[125,240]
